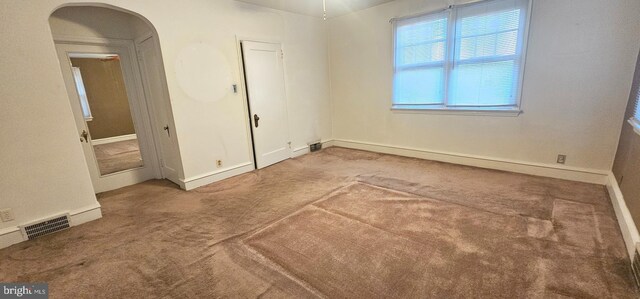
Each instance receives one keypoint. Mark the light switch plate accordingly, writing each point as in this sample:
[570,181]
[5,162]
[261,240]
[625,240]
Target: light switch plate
[6,215]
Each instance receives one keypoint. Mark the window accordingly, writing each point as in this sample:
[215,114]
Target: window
[84,101]
[467,57]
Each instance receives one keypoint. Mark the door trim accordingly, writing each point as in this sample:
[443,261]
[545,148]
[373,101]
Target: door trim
[139,106]
[158,108]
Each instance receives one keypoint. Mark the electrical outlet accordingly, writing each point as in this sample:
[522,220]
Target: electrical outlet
[6,215]
[562,159]
[219,163]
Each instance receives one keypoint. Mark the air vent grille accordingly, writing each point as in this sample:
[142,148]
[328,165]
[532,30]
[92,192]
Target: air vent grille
[636,265]
[46,227]
[315,147]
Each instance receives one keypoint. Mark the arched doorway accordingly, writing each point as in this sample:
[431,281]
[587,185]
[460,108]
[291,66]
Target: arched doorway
[112,66]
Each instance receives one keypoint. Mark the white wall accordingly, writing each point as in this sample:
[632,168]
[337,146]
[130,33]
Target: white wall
[580,62]
[86,21]
[214,127]
[43,168]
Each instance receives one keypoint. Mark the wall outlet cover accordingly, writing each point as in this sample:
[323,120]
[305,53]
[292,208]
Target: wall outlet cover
[6,215]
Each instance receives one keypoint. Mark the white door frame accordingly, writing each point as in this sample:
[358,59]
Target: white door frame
[137,103]
[161,106]
[245,93]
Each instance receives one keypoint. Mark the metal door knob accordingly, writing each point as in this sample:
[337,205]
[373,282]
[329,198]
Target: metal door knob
[256,118]
[84,136]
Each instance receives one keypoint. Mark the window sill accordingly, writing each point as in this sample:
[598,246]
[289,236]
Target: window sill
[490,111]
[635,124]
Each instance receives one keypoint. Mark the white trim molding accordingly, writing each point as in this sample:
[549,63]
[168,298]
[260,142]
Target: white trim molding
[10,236]
[13,235]
[627,225]
[211,177]
[426,109]
[114,139]
[547,170]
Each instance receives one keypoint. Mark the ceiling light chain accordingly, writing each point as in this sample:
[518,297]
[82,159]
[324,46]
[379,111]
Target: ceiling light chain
[324,8]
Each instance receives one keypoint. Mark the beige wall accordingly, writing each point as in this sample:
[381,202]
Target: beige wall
[107,97]
[36,115]
[627,163]
[574,92]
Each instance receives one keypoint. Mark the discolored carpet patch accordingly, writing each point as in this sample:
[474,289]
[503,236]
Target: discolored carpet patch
[340,223]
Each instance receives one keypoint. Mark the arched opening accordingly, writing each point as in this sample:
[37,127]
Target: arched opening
[114,75]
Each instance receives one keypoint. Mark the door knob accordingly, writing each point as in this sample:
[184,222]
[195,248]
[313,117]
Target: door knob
[84,136]
[256,118]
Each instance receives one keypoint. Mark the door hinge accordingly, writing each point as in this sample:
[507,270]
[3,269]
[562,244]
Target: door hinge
[289,143]
[282,54]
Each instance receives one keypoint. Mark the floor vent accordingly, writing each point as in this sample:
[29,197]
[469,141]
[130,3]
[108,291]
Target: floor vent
[46,227]
[315,147]
[636,265]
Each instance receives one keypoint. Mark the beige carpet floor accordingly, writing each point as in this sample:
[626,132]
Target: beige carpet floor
[118,156]
[340,223]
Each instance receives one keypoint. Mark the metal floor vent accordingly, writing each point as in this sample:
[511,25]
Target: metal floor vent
[315,146]
[636,265]
[46,227]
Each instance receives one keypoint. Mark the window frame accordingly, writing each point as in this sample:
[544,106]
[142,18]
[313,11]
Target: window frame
[82,94]
[634,121]
[444,108]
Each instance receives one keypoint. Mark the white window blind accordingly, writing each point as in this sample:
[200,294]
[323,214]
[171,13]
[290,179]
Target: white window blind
[636,110]
[469,56]
[635,119]
[420,59]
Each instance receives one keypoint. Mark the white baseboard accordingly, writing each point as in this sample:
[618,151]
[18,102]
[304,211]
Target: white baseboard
[84,215]
[327,143]
[208,178]
[300,151]
[547,170]
[12,235]
[627,225]
[113,139]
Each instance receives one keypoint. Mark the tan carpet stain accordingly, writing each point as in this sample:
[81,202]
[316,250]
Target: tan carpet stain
[340,223]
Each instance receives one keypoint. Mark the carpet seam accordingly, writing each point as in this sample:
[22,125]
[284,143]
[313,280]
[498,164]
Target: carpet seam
[446,201]
[267,262]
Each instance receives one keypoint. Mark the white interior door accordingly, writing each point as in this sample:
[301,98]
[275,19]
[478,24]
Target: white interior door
[264,74]
[105,179]
[152,79]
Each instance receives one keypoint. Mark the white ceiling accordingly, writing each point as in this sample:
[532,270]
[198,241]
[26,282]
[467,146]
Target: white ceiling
[314,7]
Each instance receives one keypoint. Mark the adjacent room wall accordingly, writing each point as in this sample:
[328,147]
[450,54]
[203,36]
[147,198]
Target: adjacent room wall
[107,97]
[43,168]
[575,88]
[627,163]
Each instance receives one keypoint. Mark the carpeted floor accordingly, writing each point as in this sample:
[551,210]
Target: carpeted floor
[118,156]
[340,223]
